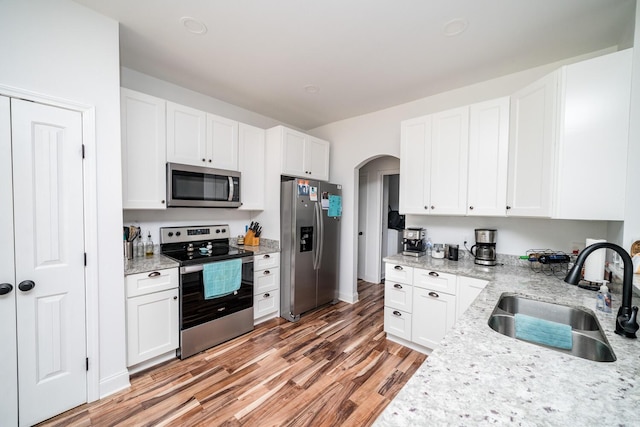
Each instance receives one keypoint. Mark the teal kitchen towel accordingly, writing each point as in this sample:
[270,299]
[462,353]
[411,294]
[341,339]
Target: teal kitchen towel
[221,278]
[542,331]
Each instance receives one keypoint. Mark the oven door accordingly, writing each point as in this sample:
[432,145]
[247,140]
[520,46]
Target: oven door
[194,186]
[196,310]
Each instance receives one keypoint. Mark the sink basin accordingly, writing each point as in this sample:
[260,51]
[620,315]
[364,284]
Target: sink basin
[589,341]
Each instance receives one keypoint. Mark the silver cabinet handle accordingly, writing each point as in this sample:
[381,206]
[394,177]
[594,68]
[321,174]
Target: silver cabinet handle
[397,286]
[154,274]
[266,272]
[266,256]
[433,294]
[397,313]
[398,267]
[434,274]
[267,295]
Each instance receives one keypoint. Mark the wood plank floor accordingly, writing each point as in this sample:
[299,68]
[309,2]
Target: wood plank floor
[333,367]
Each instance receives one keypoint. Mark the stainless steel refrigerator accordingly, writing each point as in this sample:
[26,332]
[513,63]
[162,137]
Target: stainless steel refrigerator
[310,213]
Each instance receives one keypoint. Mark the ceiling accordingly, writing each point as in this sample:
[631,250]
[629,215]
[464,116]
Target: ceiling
[312,62]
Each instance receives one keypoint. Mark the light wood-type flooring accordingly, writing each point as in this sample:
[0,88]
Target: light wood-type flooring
[332,368]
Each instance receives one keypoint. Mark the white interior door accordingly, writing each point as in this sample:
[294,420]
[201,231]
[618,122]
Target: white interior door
[49,251]
[362,225]
[8,349]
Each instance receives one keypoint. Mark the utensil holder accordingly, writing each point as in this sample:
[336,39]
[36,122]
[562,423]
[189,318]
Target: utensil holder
[128,250]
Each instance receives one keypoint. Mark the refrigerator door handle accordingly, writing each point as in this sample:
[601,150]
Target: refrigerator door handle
[320,236]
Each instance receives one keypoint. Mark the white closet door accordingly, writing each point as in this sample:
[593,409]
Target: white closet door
[49,250]
[8,350]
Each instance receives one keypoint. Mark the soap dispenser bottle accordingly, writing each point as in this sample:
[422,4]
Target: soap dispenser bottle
[603,299]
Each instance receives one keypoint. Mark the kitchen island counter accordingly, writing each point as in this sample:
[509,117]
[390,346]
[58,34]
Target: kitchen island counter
[477,376]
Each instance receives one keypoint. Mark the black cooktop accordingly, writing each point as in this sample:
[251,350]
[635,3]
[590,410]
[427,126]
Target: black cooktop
[218,252]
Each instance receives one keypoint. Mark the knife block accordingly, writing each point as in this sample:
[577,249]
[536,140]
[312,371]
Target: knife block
[250,239]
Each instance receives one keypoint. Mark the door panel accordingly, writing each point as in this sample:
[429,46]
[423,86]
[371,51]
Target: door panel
[48,211]
[8,349]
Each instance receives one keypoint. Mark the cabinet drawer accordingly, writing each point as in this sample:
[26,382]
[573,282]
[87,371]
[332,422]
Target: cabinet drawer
[434,280]
[398,296]
[398,273]
[260,262]
[397,322]
[266,303]
[266,280]
[149,282]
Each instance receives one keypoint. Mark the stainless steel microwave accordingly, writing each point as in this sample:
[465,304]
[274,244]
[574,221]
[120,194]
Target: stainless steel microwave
[201,187]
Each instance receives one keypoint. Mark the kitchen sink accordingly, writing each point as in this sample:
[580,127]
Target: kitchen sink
[589,341]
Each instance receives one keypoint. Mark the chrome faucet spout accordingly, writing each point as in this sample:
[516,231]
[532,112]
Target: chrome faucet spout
[626,320]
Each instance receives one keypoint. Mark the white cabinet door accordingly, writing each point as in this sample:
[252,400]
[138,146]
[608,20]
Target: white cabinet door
[186,135]
[488,158]
[468,290]
[266,304]
[593,138]
[433,315]
[152,325]
[293,153]
[48,206]
[222,143]
[531,148]
[317,158]
[449,158]
[251,162]
[8,349]
[143,151]
[415,165]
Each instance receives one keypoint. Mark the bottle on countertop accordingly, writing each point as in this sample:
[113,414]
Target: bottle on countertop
[603,299]
[429,246]
[139,247]
[148,246]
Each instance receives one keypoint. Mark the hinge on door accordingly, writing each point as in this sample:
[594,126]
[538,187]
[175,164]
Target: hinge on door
[87,363]
[85,259]
[83,151]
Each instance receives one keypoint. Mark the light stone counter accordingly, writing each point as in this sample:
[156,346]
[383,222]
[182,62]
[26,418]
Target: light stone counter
[477,376]
[146,264]
[267,246]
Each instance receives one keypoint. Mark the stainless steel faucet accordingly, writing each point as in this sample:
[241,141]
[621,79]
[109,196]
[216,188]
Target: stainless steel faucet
[626,321]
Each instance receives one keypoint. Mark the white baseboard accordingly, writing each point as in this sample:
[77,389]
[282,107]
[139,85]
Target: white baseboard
[350,298]
[152,362]
[411,345]
[114,383]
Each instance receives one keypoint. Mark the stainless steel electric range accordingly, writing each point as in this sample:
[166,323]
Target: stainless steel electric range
[208,321]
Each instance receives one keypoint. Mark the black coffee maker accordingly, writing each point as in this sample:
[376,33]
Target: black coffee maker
[485,247]
[413,241]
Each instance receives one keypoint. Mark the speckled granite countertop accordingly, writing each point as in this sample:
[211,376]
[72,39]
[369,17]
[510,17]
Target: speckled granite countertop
[159,262]
[477,376]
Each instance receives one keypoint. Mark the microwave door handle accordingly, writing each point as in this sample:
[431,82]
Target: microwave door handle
[231,189]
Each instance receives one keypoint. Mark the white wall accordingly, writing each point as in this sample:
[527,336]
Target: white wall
[357,140]
[62,50]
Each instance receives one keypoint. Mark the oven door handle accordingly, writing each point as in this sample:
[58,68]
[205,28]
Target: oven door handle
[191,269]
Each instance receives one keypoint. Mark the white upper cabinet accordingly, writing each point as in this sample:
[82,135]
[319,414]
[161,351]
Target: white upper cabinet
[449,159]
[488,157]
[531,148]
[198,138]
[251,147]
[303,155]
[593,138]
[415,165]
[433,163]
[143,150]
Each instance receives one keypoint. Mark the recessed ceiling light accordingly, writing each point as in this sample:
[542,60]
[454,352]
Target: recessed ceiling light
[311,89]
[193,25]
[455,27]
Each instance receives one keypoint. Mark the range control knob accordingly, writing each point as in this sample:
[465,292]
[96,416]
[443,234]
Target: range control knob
[178,233]
[170,234]
[217,231]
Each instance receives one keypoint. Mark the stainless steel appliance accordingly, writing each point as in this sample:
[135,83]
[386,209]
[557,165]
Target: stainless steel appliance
[205,322]
[201,187]
[310,213]
[485,247]
[414,241]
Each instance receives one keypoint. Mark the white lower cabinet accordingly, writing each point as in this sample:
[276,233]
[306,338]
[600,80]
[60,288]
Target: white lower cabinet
[152,315]
[421,305]
[266,287]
